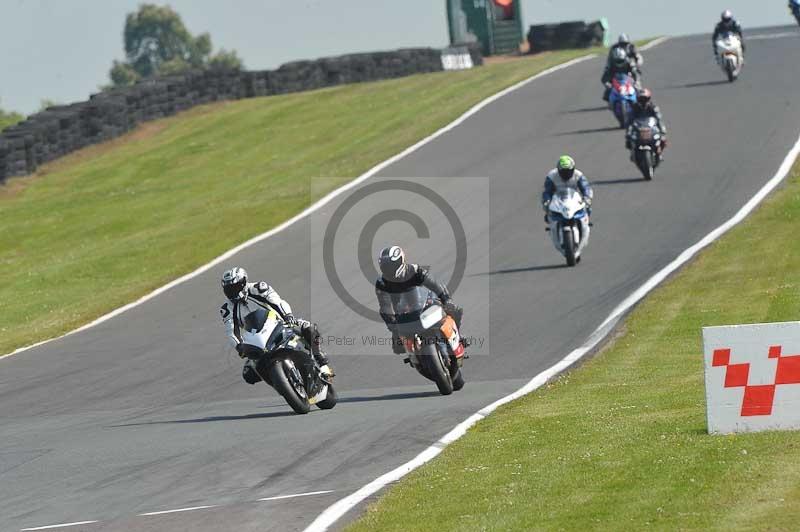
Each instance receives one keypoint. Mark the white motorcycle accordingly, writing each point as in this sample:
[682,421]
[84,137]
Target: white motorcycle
[568,215]
[731,56]
[284,361]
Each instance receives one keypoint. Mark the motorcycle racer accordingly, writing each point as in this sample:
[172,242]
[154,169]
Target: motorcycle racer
[244,297]
[633,54]
[398,276]
[727,24]
[618,63]
[565,175]
[645,107]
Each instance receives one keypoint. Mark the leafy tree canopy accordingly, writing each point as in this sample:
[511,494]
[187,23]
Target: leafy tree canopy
[157,42]
[9,118]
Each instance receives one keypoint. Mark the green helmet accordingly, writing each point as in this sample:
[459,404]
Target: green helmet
[566,167]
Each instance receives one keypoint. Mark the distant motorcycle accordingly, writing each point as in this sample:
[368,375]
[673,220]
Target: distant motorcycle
[731,56]
[622,98]
[284,362]
[568,216]
[794,6]
[431,339]
[647,145]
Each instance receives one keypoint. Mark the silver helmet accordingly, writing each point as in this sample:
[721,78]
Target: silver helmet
[234,284]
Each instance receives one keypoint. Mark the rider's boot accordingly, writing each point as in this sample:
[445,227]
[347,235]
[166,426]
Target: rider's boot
[322,361]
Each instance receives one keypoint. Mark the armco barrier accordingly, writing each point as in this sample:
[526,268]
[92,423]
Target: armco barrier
[565,35]
[60,130]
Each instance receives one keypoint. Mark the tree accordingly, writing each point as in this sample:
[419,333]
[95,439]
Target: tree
[123,74]
[157,42]
[9,118]
[44,103]
[225,60]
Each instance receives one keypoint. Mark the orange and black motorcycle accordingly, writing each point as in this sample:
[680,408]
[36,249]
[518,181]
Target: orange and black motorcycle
[431,338]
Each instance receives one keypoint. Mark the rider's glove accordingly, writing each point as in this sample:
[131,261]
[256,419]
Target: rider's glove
[290,320]
[240,350]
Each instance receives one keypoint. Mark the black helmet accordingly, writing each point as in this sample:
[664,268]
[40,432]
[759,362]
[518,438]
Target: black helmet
[234,284]
[392,262]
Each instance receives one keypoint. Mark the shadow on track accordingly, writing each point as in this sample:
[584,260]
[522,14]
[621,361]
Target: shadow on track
[589,131]
[390,397]
[210,419]
[522,270]
[609,182]
[699,84]
[586,110]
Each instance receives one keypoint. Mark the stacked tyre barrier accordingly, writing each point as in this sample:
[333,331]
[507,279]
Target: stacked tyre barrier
[60,130]
[565,35]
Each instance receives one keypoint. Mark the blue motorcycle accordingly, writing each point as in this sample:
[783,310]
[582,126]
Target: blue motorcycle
[622,98]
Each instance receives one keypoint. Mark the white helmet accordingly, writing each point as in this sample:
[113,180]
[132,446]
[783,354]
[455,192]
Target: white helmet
[727,15]
[234,284]
[623,38]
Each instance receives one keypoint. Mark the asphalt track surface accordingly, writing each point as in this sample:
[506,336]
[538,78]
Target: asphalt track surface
[147,412]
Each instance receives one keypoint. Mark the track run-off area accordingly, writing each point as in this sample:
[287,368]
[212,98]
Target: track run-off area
[142,422]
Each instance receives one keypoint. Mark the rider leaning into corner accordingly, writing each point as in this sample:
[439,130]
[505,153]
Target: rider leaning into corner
[727,24]
[623,58]
[399,276]
[565,176]
[243,298]
[645,107]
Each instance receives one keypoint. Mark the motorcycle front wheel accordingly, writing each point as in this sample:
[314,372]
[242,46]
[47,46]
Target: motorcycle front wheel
[330,400]
[458,380]
[293,393]
[569,247]
[731,71]
[437,369]
[646,163]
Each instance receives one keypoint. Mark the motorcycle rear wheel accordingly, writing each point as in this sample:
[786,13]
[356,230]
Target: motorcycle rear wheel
[437,369]
[282,384]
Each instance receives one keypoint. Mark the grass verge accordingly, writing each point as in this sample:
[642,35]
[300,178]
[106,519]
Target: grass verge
[621,443]
[106,225]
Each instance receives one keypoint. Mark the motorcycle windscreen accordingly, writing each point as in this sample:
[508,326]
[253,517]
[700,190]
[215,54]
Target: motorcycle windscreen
[409,306]
[566,203]
[646,129]
[258,327]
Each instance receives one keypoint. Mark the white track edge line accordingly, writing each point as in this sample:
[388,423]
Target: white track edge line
[312,208]
[334,512]
[653,43]
[280,497]
[62,525]
[177,510]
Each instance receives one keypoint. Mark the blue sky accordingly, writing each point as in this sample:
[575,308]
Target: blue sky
[62,49]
